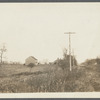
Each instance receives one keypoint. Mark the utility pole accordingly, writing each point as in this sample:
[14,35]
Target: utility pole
[73,57]
[70,48]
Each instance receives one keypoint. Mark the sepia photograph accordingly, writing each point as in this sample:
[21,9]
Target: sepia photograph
[49,47]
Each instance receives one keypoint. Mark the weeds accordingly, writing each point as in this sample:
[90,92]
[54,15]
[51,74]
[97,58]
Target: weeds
[50,78]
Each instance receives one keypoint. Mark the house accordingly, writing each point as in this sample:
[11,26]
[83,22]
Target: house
[31,60]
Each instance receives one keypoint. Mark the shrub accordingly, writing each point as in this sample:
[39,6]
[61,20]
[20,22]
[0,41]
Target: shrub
[98,60]
[31,65]
[64,63]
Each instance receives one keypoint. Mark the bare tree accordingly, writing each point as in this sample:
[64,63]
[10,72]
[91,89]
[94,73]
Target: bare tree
[65,53]
[2,51]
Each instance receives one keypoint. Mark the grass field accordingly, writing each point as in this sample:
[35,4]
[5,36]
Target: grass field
[48,78]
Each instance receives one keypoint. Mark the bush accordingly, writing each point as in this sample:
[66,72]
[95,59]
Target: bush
[31,65]
[64,63]
[92,61]
[98,60]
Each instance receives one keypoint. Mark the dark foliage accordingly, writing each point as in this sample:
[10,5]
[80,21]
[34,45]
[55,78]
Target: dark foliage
[31,65]
[64,63]
[98,60]
[92,61]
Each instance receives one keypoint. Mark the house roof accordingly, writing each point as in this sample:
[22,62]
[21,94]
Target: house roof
[33,57]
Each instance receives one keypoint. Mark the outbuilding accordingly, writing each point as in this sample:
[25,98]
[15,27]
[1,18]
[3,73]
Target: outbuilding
[31,60]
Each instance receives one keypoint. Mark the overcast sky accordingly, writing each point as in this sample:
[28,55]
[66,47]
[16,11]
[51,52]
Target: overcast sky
[38,30]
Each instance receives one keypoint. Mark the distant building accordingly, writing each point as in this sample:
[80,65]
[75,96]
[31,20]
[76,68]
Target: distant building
[30,60]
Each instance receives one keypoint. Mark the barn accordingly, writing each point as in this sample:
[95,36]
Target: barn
[31,60]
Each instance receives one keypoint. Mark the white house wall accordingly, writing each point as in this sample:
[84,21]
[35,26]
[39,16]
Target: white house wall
[30,60]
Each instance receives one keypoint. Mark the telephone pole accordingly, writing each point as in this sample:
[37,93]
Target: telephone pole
[70,48]
[73,57]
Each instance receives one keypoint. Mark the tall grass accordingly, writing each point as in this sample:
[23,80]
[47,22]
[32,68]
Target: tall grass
[52,79]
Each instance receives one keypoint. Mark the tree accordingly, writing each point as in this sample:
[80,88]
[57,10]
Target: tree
[65,55]
[2,51]
[31,65]
[64,62]
[66,58]
[98,60]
